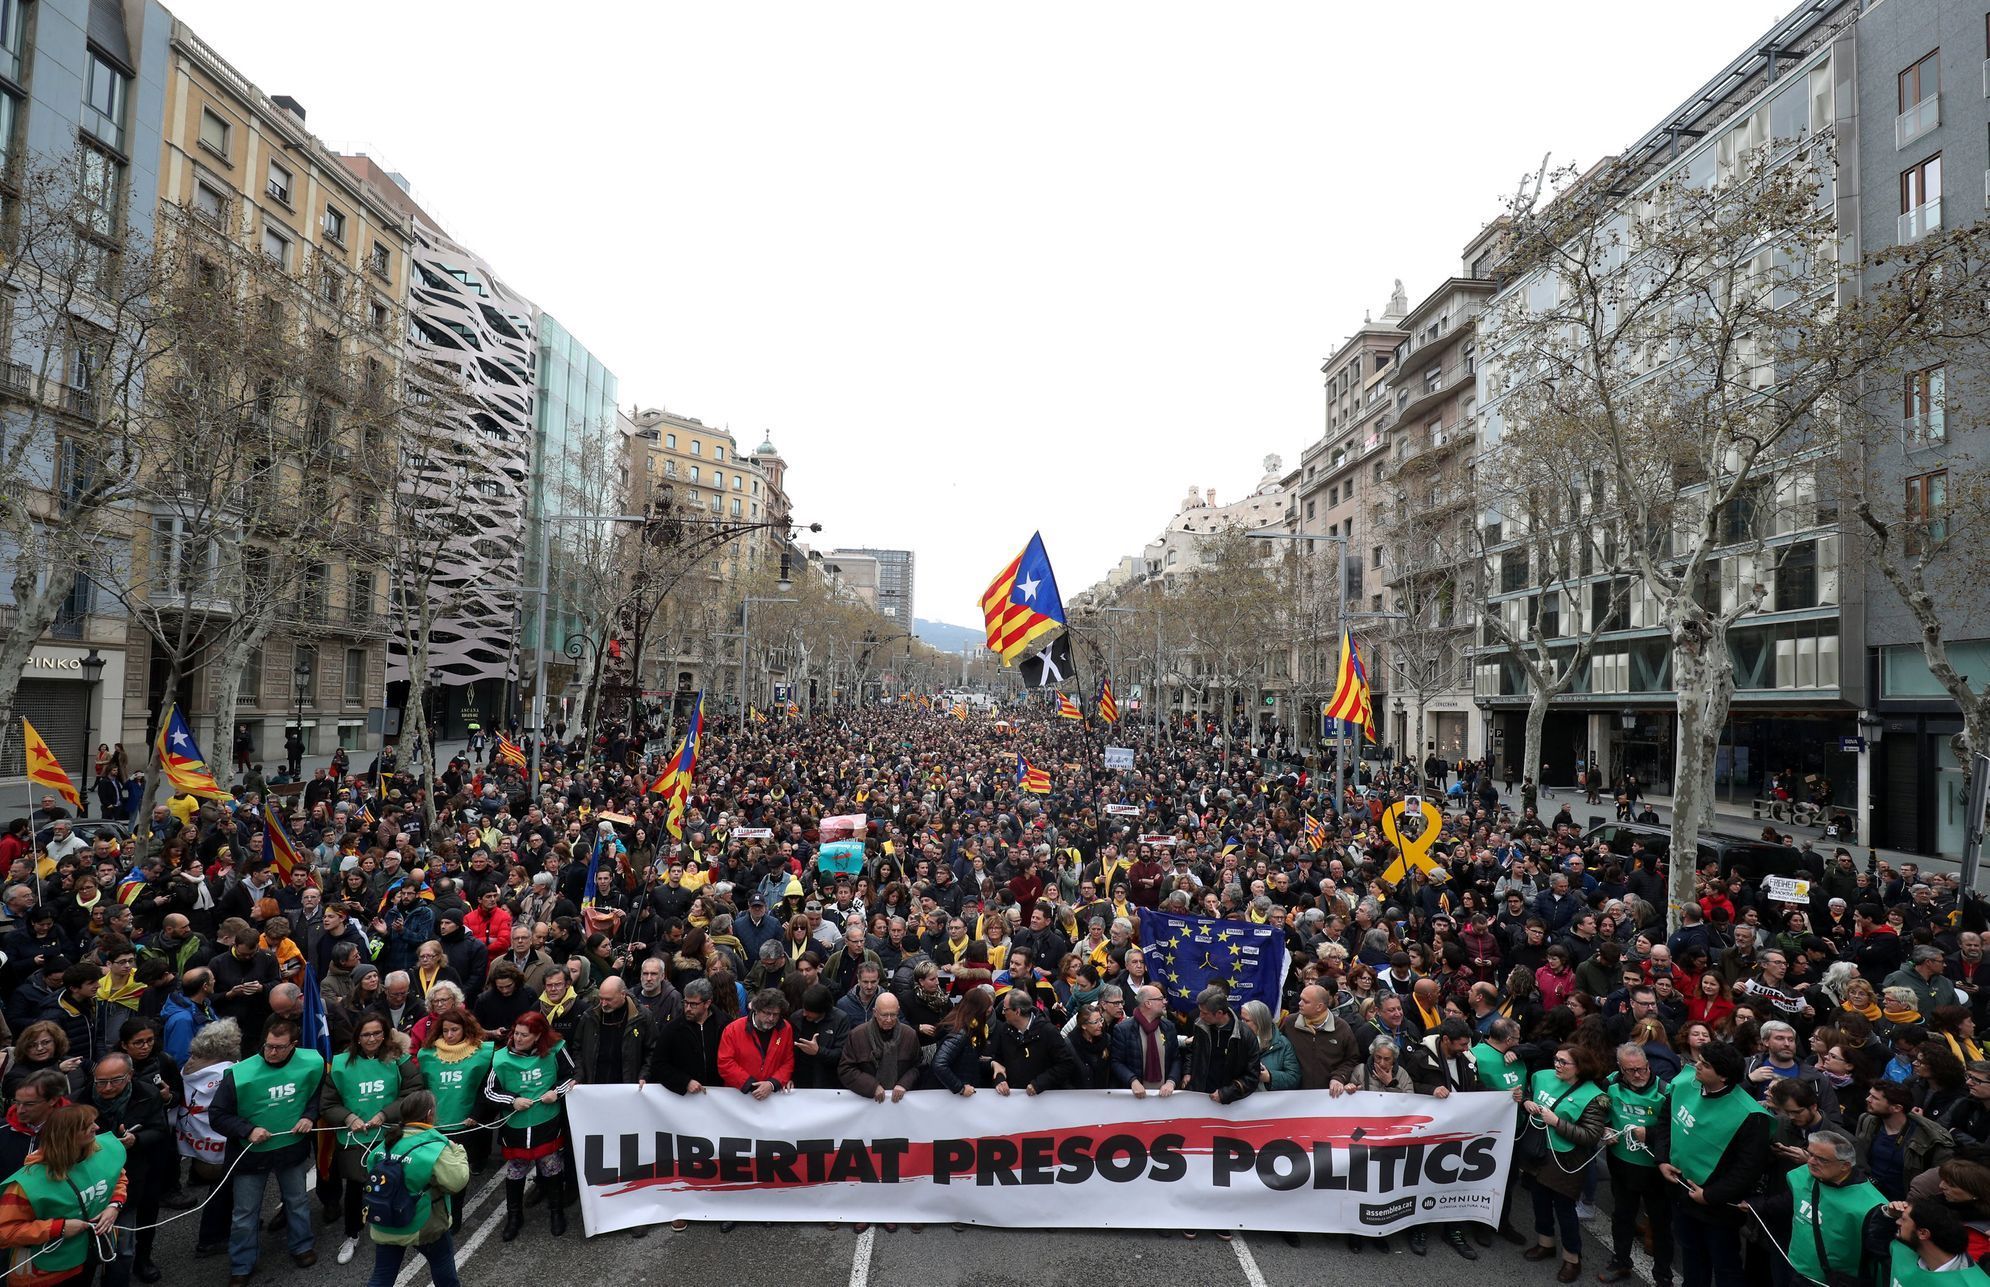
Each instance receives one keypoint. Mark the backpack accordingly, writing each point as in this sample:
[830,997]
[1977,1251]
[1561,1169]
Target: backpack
[388,1201]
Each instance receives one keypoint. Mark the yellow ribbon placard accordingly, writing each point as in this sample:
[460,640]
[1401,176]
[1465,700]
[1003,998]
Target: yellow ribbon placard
[1413,851]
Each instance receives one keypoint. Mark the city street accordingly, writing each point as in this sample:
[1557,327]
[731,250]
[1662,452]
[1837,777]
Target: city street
[933,1256]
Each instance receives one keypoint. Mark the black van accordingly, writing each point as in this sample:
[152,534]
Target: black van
[1751,859]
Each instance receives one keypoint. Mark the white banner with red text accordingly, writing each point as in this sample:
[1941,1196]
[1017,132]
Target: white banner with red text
[1293,1160]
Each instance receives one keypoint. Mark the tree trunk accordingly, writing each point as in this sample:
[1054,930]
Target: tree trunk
[1703,677]
[415,728]
[154,776]
[1537,719]
[227,699]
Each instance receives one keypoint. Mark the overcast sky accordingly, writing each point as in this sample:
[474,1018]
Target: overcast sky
[978,269]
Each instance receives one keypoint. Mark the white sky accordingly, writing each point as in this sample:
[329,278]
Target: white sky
[979,269]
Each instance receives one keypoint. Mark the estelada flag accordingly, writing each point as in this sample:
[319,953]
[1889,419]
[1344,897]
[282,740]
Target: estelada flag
[43,770]
[1351,703]
[180,759]
[1022,602]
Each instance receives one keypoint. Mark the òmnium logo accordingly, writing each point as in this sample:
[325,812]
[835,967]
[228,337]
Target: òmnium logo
[1387,1212]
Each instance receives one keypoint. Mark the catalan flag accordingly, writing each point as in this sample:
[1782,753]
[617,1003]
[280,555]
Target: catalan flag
[1068,709]
[1022,602]
[674,783]
[180,759]
[755,715]
[43,770]
[1351,702]
[1316,833]
[959,712]
[1031,779]
[511,752]
[279,848]
[794,709]
[1108,708]
[366,814]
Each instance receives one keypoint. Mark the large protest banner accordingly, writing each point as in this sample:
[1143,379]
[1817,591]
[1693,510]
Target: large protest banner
[1298,1160]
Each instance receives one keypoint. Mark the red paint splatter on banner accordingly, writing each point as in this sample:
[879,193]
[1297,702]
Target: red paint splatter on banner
[1198,1136]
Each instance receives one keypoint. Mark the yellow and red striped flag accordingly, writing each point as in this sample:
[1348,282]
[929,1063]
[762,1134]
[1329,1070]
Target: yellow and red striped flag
[1351,702]
[511,752]
[1108,708]
[1022,602]
[44,770]
[1068,709]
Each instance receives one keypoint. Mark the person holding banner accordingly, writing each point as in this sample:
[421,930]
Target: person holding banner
[1637,1104]
[1837,1221]
[1714,1146]
[1568,1112]
[70,1193]
[528,1079]
[757,1053]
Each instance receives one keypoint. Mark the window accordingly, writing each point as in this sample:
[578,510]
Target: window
[1920,199]
[718,452]
[694,476]
[697,448]
[276,245]
[1796,578]
[379,259]
[1375,557]
[100,185]
[1309,509]
[278,185]
[670,442]
[735,482]
[718,479]
[1920,100]
[213,132]
[355,676]
[335,224]
[104,91]
[1347,488]
[12,37]
[735,507]
[1923,421]
[1927,499]
[210,203]
[249,688]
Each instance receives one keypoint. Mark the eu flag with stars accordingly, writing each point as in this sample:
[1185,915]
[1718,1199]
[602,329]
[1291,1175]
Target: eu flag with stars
[1185,954]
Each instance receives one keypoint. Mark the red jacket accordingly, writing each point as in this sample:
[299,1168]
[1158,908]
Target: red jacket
[741,1060]
[493,931]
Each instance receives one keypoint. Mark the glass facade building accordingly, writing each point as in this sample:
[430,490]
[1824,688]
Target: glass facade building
[575,460]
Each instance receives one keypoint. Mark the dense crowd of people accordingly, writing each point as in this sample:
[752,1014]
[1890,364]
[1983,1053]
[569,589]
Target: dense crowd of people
[1793,1089]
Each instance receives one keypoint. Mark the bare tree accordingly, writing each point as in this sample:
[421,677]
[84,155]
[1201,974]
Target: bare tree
[1696,340]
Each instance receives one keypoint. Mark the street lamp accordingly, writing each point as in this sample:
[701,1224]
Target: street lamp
[93,670]
[300,677]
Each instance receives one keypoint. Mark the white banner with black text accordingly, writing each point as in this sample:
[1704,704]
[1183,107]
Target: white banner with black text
[1294,1160]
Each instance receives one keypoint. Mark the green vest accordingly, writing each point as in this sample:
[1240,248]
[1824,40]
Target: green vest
[1494,1072]
[418,1152]
[456,1086]
[1842,1222]
[1568,1101]
[1702,1128]
[1906,1271]
[527,1077]
[367,1086]
[274,1098]
[95,1178]
[1629,1108]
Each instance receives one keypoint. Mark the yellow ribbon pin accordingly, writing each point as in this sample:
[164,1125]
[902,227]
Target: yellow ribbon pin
[1414,850]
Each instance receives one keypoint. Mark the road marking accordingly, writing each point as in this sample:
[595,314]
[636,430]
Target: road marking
[1245,1260]
[860,1266]
[418,1264]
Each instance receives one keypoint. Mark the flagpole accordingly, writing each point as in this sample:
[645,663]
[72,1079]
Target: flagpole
[29,787]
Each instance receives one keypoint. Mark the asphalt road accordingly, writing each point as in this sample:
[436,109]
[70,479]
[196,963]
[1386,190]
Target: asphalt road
[817,1256]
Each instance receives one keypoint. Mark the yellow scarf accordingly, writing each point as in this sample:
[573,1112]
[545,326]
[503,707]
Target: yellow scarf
[554,1009]
[957,947]
[455,1052]
[427,978]
[1901,1016]
[1431,1018]
[1870,1011]
[126,995]
[998,955]
[1965,1050]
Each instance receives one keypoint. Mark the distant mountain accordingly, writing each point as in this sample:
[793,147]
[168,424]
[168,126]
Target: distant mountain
[938,634]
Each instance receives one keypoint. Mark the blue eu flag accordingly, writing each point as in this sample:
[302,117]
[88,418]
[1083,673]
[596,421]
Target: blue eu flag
[1185,954]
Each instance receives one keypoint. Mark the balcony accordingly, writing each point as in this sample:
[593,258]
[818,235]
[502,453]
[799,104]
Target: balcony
[1925,430]
[16,377]
[79,402]
[1919,222]
[1917,120]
